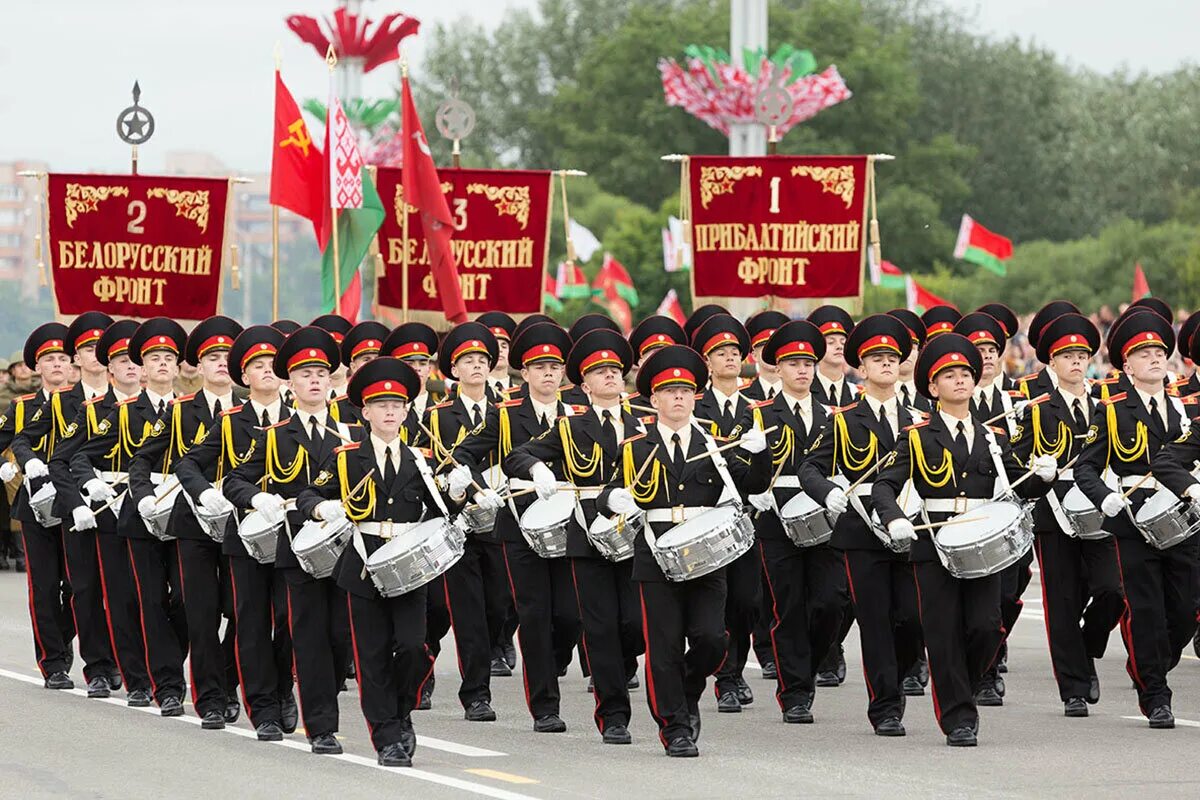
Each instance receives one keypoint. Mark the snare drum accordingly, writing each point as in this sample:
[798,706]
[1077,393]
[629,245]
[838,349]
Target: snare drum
[41,503]
[544,524]
[1165,520]
[1085,519]
[703,544]
[259,537]
[1001,533]
[477,520]
[910,504]
[319,545]
[804,521]
[415,557]
[158,519]
[613,536]
[211,524]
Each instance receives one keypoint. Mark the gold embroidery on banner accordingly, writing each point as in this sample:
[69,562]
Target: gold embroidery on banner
[835,180]
[398,203]
[191,205]
[80,199]
[510,200]
[720,180]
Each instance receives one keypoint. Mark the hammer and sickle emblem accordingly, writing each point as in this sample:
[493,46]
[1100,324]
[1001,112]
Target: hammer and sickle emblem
[299,137]
[419,136]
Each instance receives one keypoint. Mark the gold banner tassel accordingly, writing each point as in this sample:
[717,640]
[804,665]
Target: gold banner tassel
[235,281]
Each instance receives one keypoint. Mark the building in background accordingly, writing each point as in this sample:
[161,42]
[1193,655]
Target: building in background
[19,199]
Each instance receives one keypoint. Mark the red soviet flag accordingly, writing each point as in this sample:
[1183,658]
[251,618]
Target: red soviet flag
[297,180]
[423,189]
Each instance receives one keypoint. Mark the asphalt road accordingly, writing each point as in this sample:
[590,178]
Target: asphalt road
[62,745]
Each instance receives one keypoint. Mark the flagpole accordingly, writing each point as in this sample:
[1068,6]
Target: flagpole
[275,224]
[331,60]
[403,209]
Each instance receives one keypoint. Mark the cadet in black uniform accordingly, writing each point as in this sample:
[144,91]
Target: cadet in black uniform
[906,389]
[1044,380]
[856,441]
[587,446]
[1128,431]
[671,491]
[939,320]
[387,633]
[284,464]
[263,642]
[1012,326]
[363,343]
[960,617]
[760,327]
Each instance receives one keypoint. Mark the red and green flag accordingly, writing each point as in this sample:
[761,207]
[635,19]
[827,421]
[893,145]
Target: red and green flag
[550,293]
[884,273]
[978,245]
[613,281]
[571,282]
[1141,287]
[918,298]
[671,307]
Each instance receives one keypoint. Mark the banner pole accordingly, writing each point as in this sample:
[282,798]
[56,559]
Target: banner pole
[404,267]
[337,267]
[274,262]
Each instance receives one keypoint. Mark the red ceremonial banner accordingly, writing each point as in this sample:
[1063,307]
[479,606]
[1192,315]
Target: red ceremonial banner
[501,241]
[137,245]
[777,226]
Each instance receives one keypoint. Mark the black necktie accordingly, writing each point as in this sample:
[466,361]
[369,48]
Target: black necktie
[475,416]
[889,439]
[728,412]
[904,394]
[1080,417]
[771,394]
[389,468]
[162,406]
[608,432]
[314,433]
[266,419]
[1156,418]
[677,452]
[217,408]
[960,440]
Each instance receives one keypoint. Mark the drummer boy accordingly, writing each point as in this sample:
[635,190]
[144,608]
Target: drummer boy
[681,481]
[384,487]
[954,463]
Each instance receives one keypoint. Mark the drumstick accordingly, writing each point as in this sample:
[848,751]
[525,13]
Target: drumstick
[886,461]
[339,434]
[726,446]
[1035,401]
[771,485]
[645,464]
[357,488]
[104,507]
[1136,486]
[947,522]
[449,455]
[1029,474]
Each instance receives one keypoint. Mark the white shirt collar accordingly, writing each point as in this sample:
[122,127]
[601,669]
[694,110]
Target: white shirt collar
[1070,399]
[120,396]
[307,418]
[380,447]
[802,407]
[889,405]
[832,388]
[157,399]
[546,411]
[211,399]
[614,410]
[721,397]
[952,421]
[769,386]
[685,436]
[1160,396]
[90,394]
[471,405]
[273,409]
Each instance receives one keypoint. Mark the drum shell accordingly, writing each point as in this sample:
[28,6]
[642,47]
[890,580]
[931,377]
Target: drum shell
[413,568]
[1177,523]
[726,540]
[41,503]
[613,538]
[990,554]
[259,540]
[547,539]
[320,559]
[158,523]
[1087,521]
[805,521]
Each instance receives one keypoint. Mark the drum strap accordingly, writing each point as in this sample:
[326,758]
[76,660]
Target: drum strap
[719,462]
[1002,486]
[1056,509]
[427,477]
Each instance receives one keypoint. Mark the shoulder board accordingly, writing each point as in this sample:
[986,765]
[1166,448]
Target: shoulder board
[648,419]
[1015,394]
[579,409]
[995,429]
[339,398]
[128,400]
[183,398]
[425,451]
[699,395]
[762,403]
[26,397]
[94,400]
[279,424]
[1190,400]
[1107,381]
[920,424]
[745,384]
[347,447]
[510,403]
[447,404]
[62,389]
[229,411]
[841,409]
[511,389]
[1031,376]
[1179,382]
[633,438]
[1114,398]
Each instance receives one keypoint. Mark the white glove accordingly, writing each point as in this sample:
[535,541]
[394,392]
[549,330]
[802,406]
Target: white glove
[488,499]
[98,491]
[620,501]
[269,505]
[543,480]
[460,478]
[836,501]
[215,502]
[1020,406]
[146,505]
[901,530]
[1193,493]
[1113,504]
[754,441]
[330,511]
[8,471]
[763,502]
[84,518]
[1045,467]
[35,468]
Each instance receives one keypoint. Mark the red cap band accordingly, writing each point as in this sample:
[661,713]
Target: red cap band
[411,349]
[119,348]
[218,342]
[720,340]
[1147,339]
[338,336]
[159,343]
[384,389]
[982,337]
[833,326]
[1072,341]
[761,337]
[654,342]
[365,347]
[795,350]
[48,347]
[938,327]
[600,358]
[542,352]
[260,349]
[467,347]
[88,337]
[308,357]
[947,361]
[499,333]
[879,343]
[676,376]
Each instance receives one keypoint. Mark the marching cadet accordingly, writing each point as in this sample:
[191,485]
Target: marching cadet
[588,448]
[1128,434]
[41,531]
[1187,387]
[119,600]
[1081,588]
[940,319]
[1044,380]
[960,617]
[1012,326]
[760,327]
[263,642]
[990,400]
[339,407]
[654,332]
[502,326]
[111,449]
[284,463]
[191,419]
[678,449]
[384,487]
[468,354]
[542,588]
[414,343]
[362,343]
[724,343]
[856,441]
[906,389]
[54,424]
[697,318]
[805,585]
[576,395]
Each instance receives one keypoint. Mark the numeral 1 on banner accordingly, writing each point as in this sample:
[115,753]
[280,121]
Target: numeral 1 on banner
[775,194]
[137,213]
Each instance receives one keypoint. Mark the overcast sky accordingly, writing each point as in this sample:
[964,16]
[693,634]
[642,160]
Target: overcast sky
[206,67]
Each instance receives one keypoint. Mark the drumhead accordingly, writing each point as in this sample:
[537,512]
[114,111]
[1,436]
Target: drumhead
[990,519]
[545,513]
[798,506]
[46,492]
[1076,501]
[1156,504]
[254,524]
[313,533]
[694,528]
[405,540]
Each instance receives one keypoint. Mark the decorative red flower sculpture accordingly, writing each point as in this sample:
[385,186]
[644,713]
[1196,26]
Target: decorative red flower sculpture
[352,37]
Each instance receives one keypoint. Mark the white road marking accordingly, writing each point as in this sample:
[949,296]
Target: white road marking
[1186,723]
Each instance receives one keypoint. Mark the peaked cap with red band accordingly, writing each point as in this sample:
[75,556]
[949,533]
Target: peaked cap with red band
[254,342]
[543,342]
[672,366]
[157,333]
[982,328]
[1067,332]
[599,348]
[115,340]
[383,378]
[212,335]
[464,339]
[797,338]
[1139,330]
[48,338]
[875,334]
[944,352]
[85,330]
[654,332]
[939,320]
[720,330]
[307,347]
[831,320]
[364,339]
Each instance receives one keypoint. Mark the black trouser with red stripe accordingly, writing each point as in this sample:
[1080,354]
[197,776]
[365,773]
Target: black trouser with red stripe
[121,610]
[466,600]
[885,605]
[263,642]
[200,564]
[963,632]
[610,618]
[807,587]
[743,602]
[153,562]
[685,643]
[1080,582]
[87,603]
[1160,612]
[319,657]
[501,611]
[544,595]
[388,640]
[53,627]
[1014,580]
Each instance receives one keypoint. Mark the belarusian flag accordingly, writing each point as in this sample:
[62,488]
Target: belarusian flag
[571,282]
[885,274]
[621,314]
[980,246]
[918,298]
[613,281]
[671,307]
[356,229]
[346,182]
[550,293]
[1141,287]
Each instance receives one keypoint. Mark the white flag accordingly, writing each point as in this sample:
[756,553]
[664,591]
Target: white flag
[683,250]
[586,243]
